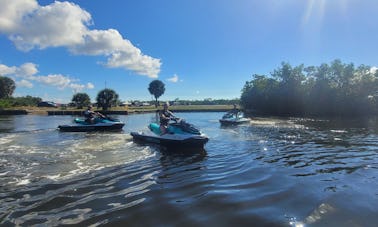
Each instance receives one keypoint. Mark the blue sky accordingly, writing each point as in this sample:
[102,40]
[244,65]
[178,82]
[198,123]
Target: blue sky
[198,48]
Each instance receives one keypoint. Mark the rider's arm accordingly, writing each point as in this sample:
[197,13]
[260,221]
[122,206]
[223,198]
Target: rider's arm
[162,115]
[172,116]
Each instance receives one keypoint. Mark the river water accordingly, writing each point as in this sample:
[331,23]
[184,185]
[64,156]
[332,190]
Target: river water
[271,172]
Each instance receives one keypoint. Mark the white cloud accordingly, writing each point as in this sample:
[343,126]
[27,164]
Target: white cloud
[90,86]
[102,42]
[65,24]
[173,79]
[12,12]
[373,69]
[24,83]
[141,64]
[55,80]
[57,24]
[27,72]
[5,70]
[27,69]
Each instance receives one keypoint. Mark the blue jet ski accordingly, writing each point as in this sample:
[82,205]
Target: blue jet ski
[234,119]
[99,124]
[180,134]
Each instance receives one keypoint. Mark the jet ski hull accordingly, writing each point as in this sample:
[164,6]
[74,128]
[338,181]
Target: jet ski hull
[99,125]
[90,128]
[171,140]
[234,121]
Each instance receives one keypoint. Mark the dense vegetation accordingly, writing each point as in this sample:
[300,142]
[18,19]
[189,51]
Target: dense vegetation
[19,101]
[334,89]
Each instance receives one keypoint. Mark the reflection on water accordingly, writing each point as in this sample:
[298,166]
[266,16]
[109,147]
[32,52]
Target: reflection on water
[271,172]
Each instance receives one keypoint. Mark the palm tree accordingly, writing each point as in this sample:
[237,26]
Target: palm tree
[157,89]
[107,98]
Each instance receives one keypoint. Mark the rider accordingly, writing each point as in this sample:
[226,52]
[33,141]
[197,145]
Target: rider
[234,112]
[165,117]
[90,115]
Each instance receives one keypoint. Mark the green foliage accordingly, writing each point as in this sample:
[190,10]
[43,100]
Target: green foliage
[329,89]
[19,101]
[107,98]
[81,99]
[5,103]
[157,89]
[26,101]
[7,87]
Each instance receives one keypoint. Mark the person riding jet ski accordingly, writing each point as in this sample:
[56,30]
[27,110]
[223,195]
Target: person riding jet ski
[165,117]
[91,115]
[234,113]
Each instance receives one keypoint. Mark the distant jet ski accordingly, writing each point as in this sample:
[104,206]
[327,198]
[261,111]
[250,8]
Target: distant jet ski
[234,119]
[180,134]
[100,124]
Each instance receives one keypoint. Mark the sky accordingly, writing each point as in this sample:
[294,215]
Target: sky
[198,48]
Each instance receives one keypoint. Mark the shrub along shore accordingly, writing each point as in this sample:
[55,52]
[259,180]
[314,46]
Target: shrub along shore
[115,110]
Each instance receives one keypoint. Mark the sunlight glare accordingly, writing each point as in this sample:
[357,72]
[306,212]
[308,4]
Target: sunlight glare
[314,8]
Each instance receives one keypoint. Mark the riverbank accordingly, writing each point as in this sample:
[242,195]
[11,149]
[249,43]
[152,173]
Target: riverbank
[115,110]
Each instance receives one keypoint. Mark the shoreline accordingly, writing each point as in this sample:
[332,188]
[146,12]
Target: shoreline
[113,111]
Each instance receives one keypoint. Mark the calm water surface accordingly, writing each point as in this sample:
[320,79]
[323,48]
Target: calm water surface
[271,172]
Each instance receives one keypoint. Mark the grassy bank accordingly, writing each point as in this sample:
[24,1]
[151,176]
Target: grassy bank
[141,109]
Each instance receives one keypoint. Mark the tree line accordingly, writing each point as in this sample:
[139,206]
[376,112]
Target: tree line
[105,99]
[335,89]
[7,87]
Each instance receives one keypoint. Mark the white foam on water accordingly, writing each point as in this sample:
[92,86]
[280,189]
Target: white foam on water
[4,174]
[23,182]
[7,139]
[53,177]
[339,131]
[67,158]
[273,122]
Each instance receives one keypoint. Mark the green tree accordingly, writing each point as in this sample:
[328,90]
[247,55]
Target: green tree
[81,99]
[107,98]
[333,89]
[157,89]
[26,101]
[7,87]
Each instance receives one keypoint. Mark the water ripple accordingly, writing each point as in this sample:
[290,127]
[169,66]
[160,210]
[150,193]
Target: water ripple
[271,172]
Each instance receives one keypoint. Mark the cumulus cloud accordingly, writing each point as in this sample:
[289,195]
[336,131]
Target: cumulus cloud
[56,80]
[27,73]
[27,69]
[173,79]
[12,13]
[90,86]
[63,24]
[373,69]
[24,83]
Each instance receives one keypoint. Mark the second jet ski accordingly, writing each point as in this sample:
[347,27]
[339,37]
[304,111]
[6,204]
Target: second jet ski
[179,134]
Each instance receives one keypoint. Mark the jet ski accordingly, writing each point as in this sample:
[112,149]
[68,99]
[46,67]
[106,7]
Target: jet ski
[233,119]
[99,124]
[179,134]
